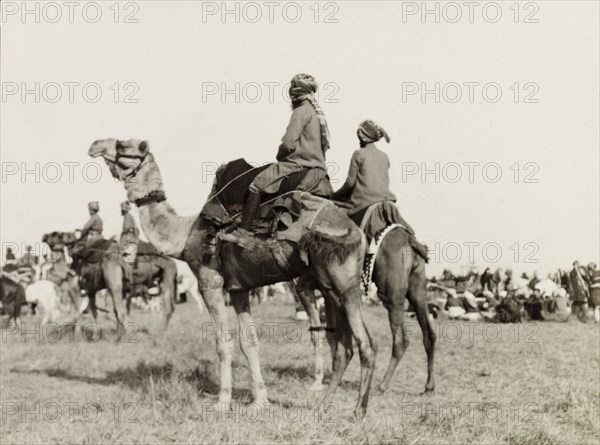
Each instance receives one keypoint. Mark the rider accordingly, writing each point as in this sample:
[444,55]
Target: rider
[130,232]
[368,183]
[129,238]
[93,228]
[303,146]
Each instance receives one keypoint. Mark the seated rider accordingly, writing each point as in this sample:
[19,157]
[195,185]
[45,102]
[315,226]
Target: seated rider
[368,183]
[303,146]
[129,240]
[92,230]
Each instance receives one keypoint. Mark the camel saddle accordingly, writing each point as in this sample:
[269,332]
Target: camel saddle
[230,191]
[93,252]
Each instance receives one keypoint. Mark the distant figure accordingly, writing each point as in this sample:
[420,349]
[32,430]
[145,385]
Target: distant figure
[534,305]
[594,286]
[10,256]
[508,281]
[498,280]
[486,280]
[454,305]
[579,291]
[29,259]
[93,228]
[534,280]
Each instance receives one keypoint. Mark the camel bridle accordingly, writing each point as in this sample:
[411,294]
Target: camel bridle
[151,197]
[119,156]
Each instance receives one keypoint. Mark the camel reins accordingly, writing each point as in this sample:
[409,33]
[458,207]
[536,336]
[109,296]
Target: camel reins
[151,197]
[133,172]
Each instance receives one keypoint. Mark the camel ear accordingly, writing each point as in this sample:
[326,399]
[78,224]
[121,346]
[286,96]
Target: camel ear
[144,147]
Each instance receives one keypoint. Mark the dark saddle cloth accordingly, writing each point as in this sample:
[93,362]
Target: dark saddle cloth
[92,253]
[144,248]
[382,215]
[230,191]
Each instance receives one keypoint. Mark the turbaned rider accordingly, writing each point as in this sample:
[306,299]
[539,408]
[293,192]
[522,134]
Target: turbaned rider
[367,187]
[303,146]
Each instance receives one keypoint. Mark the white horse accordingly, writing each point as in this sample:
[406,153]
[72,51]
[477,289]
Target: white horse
[187,283]
[47,296]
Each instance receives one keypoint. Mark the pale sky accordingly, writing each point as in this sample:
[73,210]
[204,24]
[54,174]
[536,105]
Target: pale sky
[364,63]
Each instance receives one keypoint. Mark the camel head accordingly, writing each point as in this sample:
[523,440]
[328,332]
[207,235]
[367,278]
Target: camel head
[123,157]
[131,162]
[58,240]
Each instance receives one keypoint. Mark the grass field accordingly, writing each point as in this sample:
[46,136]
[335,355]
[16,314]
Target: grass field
[496,384]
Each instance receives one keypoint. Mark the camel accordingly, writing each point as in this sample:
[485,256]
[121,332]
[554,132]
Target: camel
[104,269]
[332,253]
[398,273]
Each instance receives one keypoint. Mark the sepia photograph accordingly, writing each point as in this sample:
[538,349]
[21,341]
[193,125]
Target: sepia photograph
[300,222]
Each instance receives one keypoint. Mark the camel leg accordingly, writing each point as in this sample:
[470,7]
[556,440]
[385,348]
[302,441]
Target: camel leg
[92,304]
[304,288]
[342,283]
[210,284]
[400,340]
[113,276]
[193,291]
[366,347]
[168,291]
[392,277]
[249,344]
[417,295]
[342,352]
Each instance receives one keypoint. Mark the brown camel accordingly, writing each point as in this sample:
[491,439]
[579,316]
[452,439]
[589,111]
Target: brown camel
[398,273]
[333,257]
[101,267]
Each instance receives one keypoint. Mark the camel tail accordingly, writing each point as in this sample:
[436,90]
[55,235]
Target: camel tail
[419,248]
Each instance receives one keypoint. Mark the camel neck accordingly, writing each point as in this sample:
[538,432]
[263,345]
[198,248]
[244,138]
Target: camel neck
[165,229]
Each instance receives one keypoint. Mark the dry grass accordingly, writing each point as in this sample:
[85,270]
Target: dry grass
[537,384]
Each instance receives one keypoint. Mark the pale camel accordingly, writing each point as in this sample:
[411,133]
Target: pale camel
[334,260]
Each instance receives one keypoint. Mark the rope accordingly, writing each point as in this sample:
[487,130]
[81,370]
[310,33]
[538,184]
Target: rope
[274,199]
[230,182]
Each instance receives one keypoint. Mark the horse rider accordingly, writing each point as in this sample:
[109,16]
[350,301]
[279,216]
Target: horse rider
[303,146]
[93,227]
[367,187]
[594,284]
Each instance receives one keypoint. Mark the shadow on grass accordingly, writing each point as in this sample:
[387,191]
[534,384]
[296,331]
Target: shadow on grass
[144,376]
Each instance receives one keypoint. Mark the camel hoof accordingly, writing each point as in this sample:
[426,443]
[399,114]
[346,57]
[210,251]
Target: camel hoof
[316,386]
[428,390]
[359,414]
[382,388]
